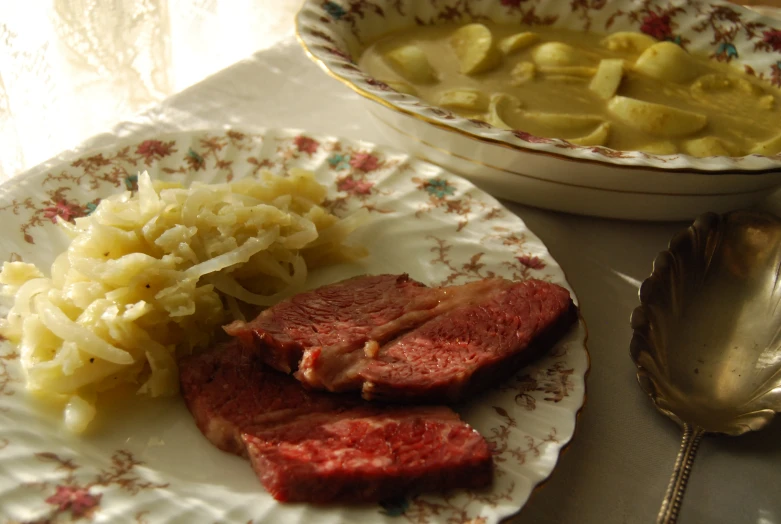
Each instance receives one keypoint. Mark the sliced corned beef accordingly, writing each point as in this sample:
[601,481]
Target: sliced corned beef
[308,446]
[392,338]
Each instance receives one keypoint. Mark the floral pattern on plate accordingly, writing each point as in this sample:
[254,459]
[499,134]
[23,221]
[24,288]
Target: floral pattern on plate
[147,462]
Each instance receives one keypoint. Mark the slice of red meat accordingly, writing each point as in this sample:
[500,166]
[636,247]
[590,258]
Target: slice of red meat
[471,348]
[344,313]
[394,339]
[309,446]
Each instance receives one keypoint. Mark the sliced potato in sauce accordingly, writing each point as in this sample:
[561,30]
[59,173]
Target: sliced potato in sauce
[583,71]
[500,108]
[558,54]
[567,79]
[522,72]
[401,87]
[516,42]
[769,147]
[667,61]
[627,42]
[598,137]
[655,96]
[475,49]
[716,82]
[710,146]
[608,77]
[564,121]
[656,119]
[464,98]
[664,147]
[733,93]
[411,62]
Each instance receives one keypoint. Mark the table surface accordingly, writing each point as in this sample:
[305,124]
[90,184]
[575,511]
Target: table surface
[618,466]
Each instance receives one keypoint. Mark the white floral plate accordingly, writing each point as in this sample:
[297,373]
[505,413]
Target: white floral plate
[147,462]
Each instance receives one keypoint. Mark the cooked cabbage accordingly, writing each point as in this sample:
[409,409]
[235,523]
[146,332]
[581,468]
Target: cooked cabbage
[149,277]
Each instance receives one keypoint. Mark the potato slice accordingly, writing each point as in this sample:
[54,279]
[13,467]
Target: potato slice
[401,87]
[463,98]
[522,72]
[411,62]
[608,77]
[475,49]
[582,71]
[501,106]
[627,42]
[710,146]
[769,147]
[656,119]
[712,82]
[664,147]
[598,137]
[567,79]
[517,42]
[727,91]
[717,82]
[557,54]
[564,121]
[667,61]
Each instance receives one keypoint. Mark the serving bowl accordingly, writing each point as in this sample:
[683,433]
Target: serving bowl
[549,172]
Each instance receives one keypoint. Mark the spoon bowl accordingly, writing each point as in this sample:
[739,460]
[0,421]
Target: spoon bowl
[707,333]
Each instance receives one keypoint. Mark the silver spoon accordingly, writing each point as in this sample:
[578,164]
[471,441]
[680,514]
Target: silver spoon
[707,333]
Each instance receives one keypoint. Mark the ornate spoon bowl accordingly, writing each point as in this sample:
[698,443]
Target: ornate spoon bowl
[707,333]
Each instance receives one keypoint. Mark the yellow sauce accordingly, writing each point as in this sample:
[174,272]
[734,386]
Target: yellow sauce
[547,86]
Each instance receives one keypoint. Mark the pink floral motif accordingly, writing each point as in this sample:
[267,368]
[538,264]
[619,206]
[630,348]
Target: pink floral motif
[531,262]
[305,144]
[775,74]
[324,36]
[6,377]
[266,163]
[528,137]
[338,52]
[442,113]
[73,496]
[151,150]
[611,153]
[63,209]
[365,162]
[79,501]
[355,187]
[195,160]
[772,38]
[359,167]
[479,123]
[92,163]
[657,26]
[443,195]
[379,84]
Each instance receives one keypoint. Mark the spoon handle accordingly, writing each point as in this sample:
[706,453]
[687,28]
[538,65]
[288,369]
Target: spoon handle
[671,504]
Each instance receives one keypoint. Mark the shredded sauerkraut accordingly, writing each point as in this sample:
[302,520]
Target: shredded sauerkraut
[149,276]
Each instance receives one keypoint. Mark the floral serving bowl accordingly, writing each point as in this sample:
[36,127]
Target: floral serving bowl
[549,172]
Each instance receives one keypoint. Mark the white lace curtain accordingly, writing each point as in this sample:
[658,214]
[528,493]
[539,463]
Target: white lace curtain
[72,68]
